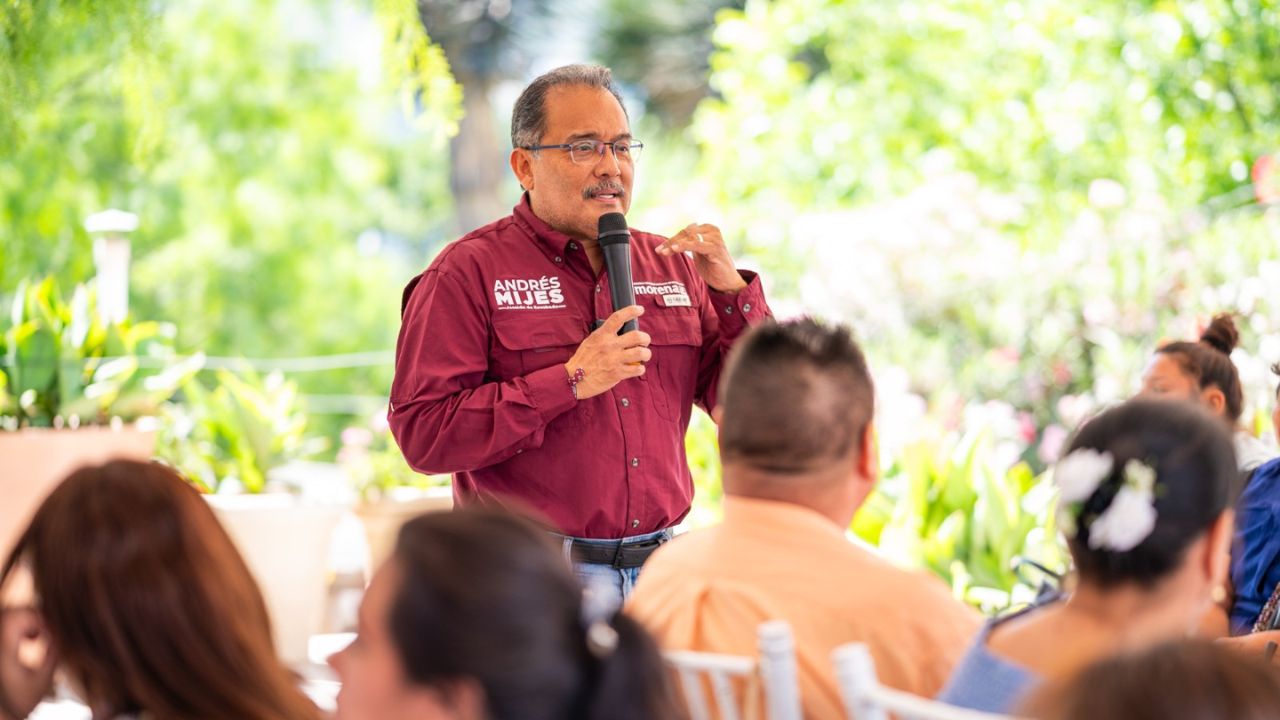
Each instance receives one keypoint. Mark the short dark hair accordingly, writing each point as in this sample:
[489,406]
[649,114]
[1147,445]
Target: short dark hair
[487,595]
[529,116]
[796,396]
[1196,481]
[1195,678]
[1209,361]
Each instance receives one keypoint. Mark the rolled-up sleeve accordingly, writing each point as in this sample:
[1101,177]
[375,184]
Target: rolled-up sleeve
[444,414]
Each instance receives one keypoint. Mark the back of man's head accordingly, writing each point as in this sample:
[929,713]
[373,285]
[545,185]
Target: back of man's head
[796,400]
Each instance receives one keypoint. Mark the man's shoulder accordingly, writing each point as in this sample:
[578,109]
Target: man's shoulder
[648,239]
[692,548]
[466,258]
[480,246]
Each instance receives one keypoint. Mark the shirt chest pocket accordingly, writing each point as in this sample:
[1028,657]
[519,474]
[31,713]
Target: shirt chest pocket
[524,342]
[676,341]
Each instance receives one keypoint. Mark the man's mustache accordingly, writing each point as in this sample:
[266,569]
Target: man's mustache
[604,188]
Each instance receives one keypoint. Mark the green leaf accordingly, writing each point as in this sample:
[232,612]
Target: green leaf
[33,358]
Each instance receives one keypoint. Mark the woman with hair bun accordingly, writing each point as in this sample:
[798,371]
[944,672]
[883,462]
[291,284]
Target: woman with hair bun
[1203,371]
[1146,495]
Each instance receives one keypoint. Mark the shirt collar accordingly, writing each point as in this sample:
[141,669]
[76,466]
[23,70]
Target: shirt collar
[754,512]
[554,241]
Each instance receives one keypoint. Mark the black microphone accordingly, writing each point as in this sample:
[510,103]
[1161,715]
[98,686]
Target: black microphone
[615,241]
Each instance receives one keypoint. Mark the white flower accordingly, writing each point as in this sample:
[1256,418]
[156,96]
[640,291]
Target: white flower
[1079,473]
[1140,476]
[1126,523]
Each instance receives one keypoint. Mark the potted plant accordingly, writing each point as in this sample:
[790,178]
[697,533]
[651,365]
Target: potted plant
[238,441]
[75,390]
[390,491]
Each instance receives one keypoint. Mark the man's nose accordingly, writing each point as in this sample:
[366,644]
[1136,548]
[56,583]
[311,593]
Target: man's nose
[607,164]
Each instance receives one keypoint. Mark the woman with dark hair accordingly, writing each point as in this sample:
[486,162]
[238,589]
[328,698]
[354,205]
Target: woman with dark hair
[478,617]
[1188,679]
[1146,491]
[145,604]
[1203,371]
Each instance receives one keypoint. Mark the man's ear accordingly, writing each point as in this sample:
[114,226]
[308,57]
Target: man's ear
[717,414]
[869,454]
[1215,399]
[522,166]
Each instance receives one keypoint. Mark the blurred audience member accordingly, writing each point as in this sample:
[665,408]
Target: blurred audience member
[1194,680]
[799,454]
[477,616]
[1203,371]
[1146,496]
[145,605]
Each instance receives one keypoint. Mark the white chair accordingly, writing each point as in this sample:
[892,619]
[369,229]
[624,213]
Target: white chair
[866,699]
[775,672]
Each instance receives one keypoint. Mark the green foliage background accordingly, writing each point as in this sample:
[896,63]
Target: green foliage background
[256,141]
[1011,202]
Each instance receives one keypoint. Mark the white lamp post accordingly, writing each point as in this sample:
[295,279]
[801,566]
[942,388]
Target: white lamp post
[111,253]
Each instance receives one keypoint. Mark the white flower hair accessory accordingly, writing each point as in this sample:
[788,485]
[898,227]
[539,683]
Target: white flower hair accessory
[1127,520]
[1079,473]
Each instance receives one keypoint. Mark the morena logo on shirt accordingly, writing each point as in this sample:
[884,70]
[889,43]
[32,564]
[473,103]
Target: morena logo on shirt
[673,293]
[542,293]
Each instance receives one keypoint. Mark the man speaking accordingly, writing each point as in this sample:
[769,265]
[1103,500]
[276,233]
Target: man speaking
[510,369]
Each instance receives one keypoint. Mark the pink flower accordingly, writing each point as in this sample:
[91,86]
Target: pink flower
[1266,179]
[1051,443]
[357,437]
[1027,427]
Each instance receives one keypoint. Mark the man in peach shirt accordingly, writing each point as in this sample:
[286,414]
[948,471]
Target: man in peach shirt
[799,455]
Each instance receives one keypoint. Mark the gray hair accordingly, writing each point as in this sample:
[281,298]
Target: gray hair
[529,116]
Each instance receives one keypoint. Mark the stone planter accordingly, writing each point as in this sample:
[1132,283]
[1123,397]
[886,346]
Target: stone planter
[285,542]
[34,460]
[382,519]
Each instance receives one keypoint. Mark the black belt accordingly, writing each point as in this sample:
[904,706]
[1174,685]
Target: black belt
[619,554]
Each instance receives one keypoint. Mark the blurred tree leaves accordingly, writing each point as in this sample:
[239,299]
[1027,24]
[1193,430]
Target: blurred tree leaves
[256,140]
[662,47]
[826,102]
[487,42]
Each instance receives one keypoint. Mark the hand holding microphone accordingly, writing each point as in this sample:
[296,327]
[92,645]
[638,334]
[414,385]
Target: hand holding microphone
[617,350]
[607,358]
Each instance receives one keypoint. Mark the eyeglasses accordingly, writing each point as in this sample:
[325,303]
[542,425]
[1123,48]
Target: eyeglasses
[589,151]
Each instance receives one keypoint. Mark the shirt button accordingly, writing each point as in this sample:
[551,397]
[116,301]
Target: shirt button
[597,288]
[635,462]
[626,402]
[728,309]
[573,246]
[746,307]
[558,260]
[635,523]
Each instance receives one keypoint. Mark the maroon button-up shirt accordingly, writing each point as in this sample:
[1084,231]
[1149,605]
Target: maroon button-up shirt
[480,388]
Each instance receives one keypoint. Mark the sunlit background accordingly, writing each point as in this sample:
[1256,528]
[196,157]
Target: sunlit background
[1012,203]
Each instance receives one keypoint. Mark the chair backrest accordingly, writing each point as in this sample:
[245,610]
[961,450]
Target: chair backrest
[775,671]
[866,699]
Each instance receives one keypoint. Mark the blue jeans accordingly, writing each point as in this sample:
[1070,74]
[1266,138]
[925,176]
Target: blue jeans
[605,582]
